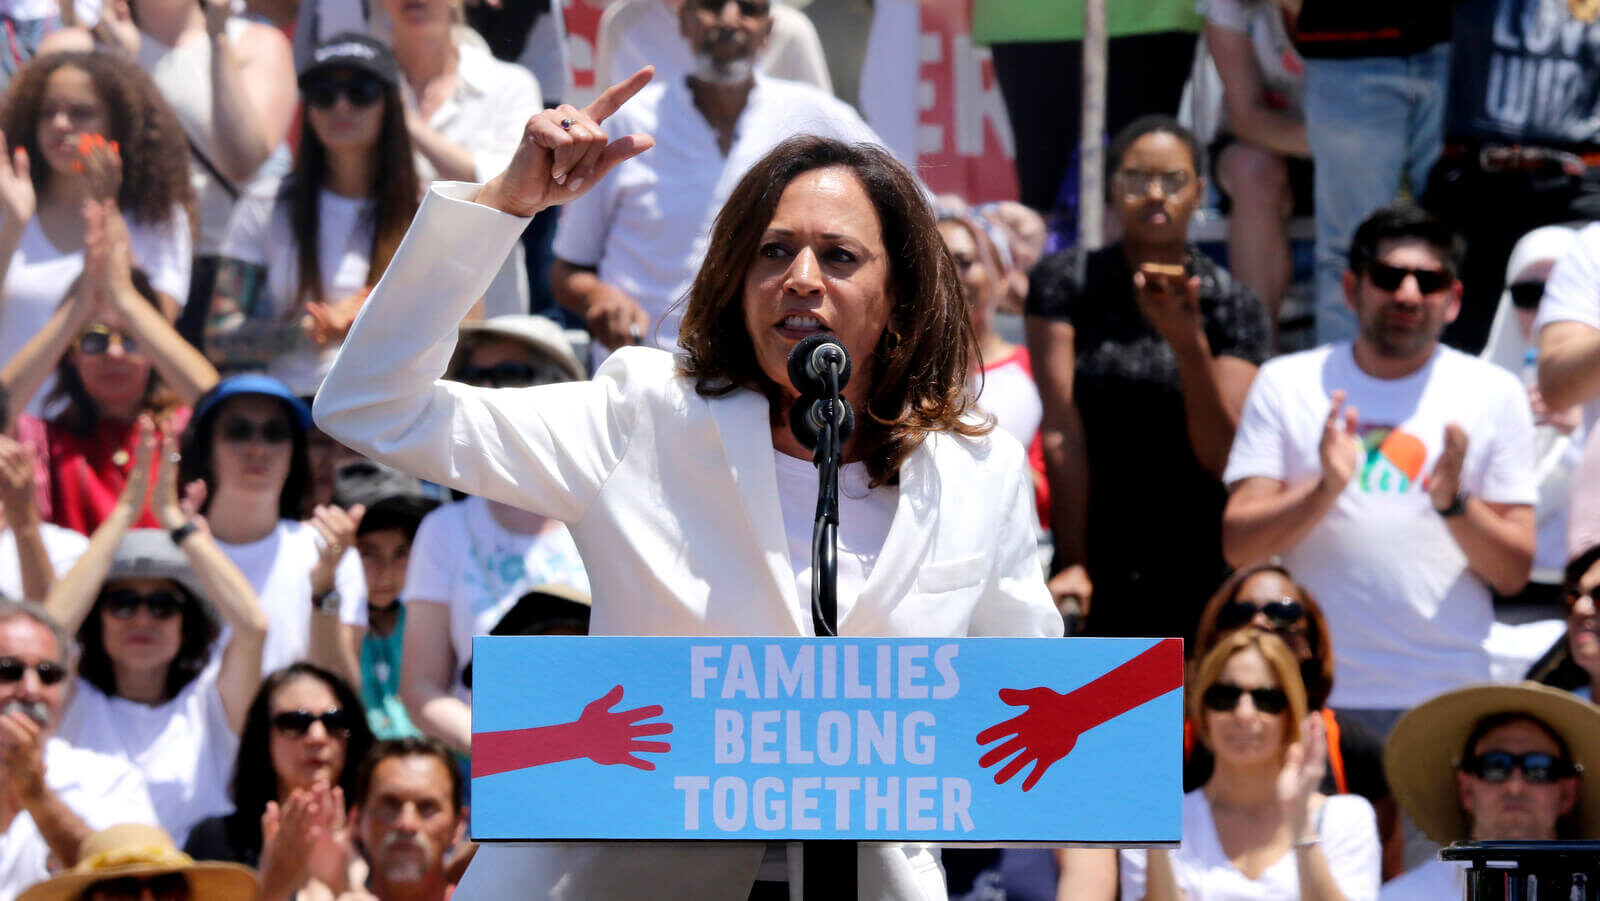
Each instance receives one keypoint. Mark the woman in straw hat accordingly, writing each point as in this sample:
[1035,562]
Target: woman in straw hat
[124,861]
[1259,829]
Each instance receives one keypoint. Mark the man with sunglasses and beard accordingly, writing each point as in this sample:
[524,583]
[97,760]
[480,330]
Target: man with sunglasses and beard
[629,249]
[409,819]
[52,795]
[1393,475]
[1493,762]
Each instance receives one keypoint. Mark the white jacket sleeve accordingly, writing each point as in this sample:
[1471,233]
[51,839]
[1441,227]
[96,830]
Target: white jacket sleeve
[547,449]
[1017,603]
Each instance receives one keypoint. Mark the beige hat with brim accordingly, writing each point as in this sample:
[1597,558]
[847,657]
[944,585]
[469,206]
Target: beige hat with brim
[1422,752]
[543,336]
[136,850]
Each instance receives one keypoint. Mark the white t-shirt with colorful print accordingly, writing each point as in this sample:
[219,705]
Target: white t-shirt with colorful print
[1408,618]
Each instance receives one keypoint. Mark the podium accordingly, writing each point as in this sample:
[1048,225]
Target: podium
[1529,871]
[974,741]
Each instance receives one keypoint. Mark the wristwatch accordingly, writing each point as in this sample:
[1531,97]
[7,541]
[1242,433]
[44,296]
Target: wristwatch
[1457,506]
[327,604]
[183,531]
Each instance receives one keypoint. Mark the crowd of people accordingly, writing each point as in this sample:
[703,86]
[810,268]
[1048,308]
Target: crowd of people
[236,637]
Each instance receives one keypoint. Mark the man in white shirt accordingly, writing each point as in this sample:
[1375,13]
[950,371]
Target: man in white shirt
[1394,476]
[628,250]
[52,795]
[1493,763]
[1568,326]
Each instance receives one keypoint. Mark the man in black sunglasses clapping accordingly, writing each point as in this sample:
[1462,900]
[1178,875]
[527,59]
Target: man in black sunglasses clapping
[52,795]
[1493,763]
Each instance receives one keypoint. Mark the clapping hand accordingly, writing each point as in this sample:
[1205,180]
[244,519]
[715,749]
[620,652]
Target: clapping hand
[21,758]
[337,529]
[1304,765]
[1445,481]
[100,163]
[108,254]
[565,150]
[326,323]
[16,484]
[17,200]
[1341,449]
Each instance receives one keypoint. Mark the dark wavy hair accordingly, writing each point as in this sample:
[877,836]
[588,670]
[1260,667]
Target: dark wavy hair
[199,633]
[919,376]
[199,440]
[395,189]
[155,154]
[255,782]
[79,413]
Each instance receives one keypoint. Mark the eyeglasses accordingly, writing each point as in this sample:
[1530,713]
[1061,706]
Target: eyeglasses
[12,670]
[96,340]
[510,375]
[1282,614]
[1136,182]
[1537,767]
[750,9]
[1224,698]
[165,887]
[360,90]
[244,431]
[1390,278]
[298,722]
[124,603]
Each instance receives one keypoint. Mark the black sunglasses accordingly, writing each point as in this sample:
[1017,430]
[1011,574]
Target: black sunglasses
[1282,614]
[12,670]
[360,90]
[124,603]
[1390,278]
[96,340]
[244,431]
[747,8]
[165,887]
[510,374]
[1537,767]
[298,722]
[1224,698]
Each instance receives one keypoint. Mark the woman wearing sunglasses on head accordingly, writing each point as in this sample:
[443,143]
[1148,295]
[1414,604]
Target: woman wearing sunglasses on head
[299,257]
[247,446]
[1259,828]
[1266,597]
[148,606]
[304,738]
[114,358]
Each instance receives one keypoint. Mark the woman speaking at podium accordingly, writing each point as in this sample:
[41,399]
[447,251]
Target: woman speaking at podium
[688,496]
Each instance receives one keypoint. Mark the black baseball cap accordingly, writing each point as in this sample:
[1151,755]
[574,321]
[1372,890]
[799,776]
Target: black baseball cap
[351,50]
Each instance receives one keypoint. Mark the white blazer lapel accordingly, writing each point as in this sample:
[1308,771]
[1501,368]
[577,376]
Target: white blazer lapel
[743,425]
[905,548]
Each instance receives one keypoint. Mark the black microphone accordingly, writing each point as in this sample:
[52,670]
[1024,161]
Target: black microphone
[809,414]
[814,356]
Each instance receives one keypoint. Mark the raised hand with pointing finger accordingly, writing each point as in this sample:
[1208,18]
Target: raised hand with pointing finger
[565,150]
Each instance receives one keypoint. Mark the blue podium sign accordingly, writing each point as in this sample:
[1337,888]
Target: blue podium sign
[979,740]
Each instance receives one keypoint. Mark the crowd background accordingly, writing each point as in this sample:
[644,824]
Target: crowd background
[1323,404]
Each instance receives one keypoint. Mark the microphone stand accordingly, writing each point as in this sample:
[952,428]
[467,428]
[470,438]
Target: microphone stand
[828,868]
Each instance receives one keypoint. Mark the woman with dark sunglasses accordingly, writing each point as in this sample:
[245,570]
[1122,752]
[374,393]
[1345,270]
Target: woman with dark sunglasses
[114,358]
[1259,828]
[148,606]
[246,445]
[303,741]
[300,256]
[1267,598]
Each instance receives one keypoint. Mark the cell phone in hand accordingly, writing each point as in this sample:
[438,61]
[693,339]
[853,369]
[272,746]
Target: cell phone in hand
[1157,276]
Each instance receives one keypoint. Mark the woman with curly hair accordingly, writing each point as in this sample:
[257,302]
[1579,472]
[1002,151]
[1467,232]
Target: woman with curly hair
[51,163]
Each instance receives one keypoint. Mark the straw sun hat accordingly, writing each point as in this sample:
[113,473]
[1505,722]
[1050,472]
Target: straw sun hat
[135,850]
[1422,752]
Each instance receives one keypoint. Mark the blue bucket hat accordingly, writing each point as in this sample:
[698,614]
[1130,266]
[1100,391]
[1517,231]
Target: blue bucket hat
[254,383]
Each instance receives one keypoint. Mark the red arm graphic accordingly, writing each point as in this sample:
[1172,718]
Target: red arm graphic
[1049,728]
[604,736]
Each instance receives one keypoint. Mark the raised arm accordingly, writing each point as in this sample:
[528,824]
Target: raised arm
[25,373]
[19,511]
[383,397]
[252,92]
[427,680]
[72,597]
[227,588]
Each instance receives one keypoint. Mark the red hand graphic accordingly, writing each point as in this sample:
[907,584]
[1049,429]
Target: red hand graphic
[600,734]
[1048,730]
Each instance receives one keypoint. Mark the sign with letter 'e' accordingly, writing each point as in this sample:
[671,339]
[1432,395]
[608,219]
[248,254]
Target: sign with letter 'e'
[978,740]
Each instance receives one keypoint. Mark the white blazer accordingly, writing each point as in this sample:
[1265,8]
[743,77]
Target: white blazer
[672,499]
